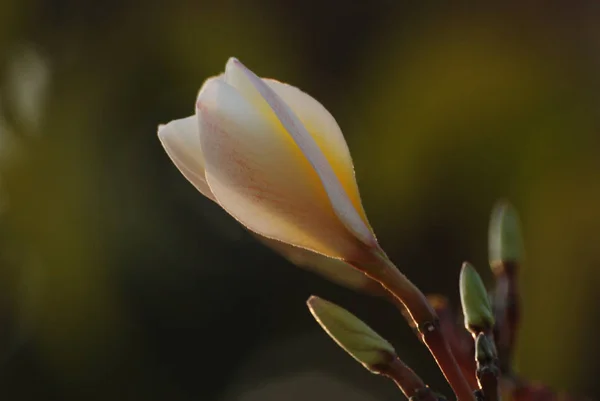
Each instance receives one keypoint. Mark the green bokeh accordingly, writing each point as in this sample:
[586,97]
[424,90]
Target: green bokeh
[119,281]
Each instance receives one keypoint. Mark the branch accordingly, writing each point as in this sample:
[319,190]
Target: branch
[459,340]
[507,311]
[505,254]
[423,316]
[407,380]
[479,321]
[368,348]
[488,373]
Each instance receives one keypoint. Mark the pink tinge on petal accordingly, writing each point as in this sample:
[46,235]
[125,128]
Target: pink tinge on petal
[339,199]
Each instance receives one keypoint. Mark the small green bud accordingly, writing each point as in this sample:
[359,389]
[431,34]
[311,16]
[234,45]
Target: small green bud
[350,333]
[475,300]
[485,350]
[505,238]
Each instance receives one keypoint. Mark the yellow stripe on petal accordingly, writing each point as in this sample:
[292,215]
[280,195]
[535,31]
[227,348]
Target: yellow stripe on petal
[259,176]
[323,127]
[344,208]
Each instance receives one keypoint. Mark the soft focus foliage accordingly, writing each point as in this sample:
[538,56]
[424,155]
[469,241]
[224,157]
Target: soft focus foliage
[118,280]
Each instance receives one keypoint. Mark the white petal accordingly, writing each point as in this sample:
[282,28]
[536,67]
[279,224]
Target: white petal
[334,270]
[260,176]
[181,140]
[239,76]
[324,129]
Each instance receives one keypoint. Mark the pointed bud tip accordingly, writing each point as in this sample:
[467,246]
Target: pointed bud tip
[467,268]
[350,333]
[475,301]
[312,300]
[505,237]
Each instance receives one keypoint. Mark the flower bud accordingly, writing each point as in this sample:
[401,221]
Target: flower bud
[475,300]
[505,238]
[350,333]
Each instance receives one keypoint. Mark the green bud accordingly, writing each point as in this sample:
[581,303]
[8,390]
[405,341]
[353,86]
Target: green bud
[485,350]
[475,300]
[350,333]
[505,238]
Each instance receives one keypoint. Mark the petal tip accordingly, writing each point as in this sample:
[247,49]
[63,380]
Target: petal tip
[234,67]
[207,92]
[233,62]
[163,131]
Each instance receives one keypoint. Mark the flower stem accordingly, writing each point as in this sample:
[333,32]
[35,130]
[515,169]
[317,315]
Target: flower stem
[424,318]
[407,380]
[488,373]
[459,340]
[435,341]
[507,311]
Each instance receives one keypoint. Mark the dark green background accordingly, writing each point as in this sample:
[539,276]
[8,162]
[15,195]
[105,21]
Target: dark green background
[118,281]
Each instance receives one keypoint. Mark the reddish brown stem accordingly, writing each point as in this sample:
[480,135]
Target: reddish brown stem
[407,380]
[489,385]
[488,372]
[423,317]
[433,338]
[507,311]
[459,340]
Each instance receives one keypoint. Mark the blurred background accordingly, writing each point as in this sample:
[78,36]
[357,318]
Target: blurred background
[119,281]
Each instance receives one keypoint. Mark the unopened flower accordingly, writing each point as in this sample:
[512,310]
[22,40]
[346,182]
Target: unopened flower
[505,237]
[276,160]
[352,334]
[475,301]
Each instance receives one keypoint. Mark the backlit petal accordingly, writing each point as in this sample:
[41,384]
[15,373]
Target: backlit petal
[253,89]
[334,270]
[261,177]
[323,127]
[181,140]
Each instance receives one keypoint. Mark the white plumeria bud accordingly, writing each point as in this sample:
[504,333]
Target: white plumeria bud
[276,160]
[352,334]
